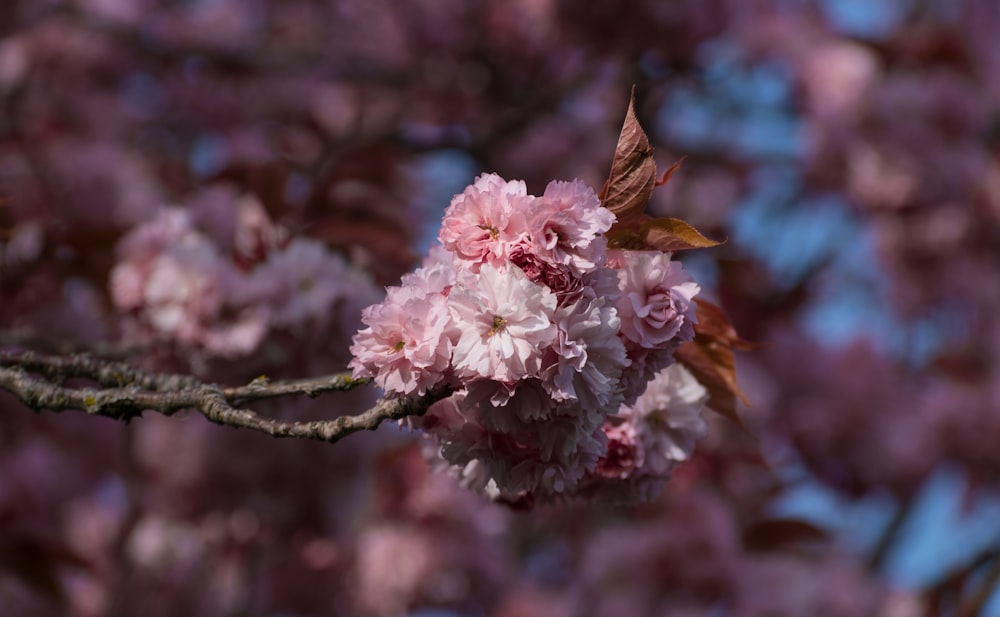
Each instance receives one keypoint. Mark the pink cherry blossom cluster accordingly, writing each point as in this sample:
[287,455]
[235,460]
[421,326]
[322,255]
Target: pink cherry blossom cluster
[222,295]
[547,339]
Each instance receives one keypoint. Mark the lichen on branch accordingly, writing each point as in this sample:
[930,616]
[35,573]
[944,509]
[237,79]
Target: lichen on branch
[125,392]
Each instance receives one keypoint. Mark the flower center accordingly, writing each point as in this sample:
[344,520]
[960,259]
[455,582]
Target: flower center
[494,232]
[499,324]
[399,346]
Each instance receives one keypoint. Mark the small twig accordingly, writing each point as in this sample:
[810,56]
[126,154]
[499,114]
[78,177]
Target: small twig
[129,391]
[262,388]
[974,603]
[887,540]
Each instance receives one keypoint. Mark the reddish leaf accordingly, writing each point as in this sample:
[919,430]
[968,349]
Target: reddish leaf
[714,322]
[710,359]
[714,367]
[628,190]
[780,532]
[620,237]
[633,172]
[667,234]
[626,193]
[725,362]
[670,172]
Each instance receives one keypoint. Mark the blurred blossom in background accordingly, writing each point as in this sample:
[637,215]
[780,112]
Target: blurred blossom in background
[223,186]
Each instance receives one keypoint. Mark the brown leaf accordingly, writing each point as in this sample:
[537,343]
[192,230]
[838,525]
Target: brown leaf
[781,532]
[713,366]
[710,359]
[626,193]
[668,234]
[725,361]
[670,172]
[628,190]
[714,322]
[633,171]
[628,238]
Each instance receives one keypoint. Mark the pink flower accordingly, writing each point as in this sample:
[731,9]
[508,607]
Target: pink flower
[544,459]
[139,248]
[302,283]
[487,219]
[407,344]
[256,237]
[567,224]
[656,306]
[667,419]
[508,407]
[624,453]
[589,356]
[568,450]
[506,321]
[558,278]
[648,439]
[187,295]
[645,364]
[526,446]
[436,274]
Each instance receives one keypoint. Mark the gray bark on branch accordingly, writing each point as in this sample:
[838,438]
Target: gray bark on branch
[125,392]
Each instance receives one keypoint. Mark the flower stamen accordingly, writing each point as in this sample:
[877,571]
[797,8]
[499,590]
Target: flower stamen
[494,232]
[499,324]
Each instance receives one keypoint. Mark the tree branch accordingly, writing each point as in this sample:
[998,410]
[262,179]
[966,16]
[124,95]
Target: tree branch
[976,602]
[36,380]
